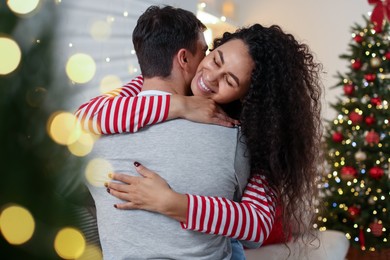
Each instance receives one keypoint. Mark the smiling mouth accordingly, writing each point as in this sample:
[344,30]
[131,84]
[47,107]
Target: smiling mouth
[203,86]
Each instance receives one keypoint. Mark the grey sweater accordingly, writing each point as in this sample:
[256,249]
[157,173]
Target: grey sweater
[193,158]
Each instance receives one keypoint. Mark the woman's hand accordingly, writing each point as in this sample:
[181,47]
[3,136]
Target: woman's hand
[148,192]
[199,109]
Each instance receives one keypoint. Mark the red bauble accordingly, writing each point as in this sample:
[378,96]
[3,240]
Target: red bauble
[358,38]
[387,55]
[348,173]
[370,77]
[353,212]
[357,65]
[372,137]
[376,172]
[355,118]
[376,101]
[370,120]
[337,137]
[376,229]
[349,89]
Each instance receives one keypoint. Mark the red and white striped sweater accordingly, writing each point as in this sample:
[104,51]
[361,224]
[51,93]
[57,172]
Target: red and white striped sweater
[121,111]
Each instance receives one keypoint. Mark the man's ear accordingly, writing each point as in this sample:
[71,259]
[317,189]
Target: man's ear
[182,58]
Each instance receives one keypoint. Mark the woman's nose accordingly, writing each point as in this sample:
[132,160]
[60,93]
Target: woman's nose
[213,76]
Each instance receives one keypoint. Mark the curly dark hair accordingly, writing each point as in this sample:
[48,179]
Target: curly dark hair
[281,118]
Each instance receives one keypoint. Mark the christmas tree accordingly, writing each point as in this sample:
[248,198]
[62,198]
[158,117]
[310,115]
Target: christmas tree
[41,194]
[356,185]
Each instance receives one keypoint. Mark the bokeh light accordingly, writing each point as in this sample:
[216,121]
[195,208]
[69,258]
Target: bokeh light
[80,68]
[132,69]
[100,30]
[83,146]
[97,172]
[16,224]
[69,243]
[10,55]
[64,128]
[22,6]
[109,83]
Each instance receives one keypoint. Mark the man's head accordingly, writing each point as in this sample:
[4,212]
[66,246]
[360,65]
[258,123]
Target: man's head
[160,33]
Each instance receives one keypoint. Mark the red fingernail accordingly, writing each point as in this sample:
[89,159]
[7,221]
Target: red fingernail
[136,164]
[115,206]
[108,190]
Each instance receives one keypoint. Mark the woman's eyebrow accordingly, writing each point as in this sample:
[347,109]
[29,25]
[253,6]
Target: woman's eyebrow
[231,74]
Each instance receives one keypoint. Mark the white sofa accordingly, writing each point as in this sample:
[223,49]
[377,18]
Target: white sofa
[331,245]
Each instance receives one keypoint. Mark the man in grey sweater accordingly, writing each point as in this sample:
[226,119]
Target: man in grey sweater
[193,158]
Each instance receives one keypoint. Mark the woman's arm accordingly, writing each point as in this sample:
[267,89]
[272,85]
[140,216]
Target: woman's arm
[122,111]
[251,219]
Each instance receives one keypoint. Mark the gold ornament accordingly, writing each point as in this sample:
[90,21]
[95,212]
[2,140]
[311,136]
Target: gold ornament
[375,62]
[360,156]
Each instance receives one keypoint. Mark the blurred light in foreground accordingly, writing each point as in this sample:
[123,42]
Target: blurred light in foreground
[69,243]
[83,145]
[22,6]
[10,55]
[97,172]
[80,68]
[64,128]
[16,224]
[100,30]
[109,83]
[91,252]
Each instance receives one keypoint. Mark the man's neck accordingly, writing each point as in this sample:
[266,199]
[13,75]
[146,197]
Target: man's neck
[164,84]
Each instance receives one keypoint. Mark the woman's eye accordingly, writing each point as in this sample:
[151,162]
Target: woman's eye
[215,61]
[228,82]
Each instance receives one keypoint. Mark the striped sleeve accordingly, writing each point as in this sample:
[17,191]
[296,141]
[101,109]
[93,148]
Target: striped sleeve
[122,111]
[251,219]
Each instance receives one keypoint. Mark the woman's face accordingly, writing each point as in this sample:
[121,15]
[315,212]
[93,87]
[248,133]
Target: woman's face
[224,75]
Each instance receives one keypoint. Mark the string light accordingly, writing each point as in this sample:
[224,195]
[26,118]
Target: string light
[202,5]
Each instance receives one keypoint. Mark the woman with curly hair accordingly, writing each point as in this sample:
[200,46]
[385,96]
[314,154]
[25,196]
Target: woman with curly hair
[280,120]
